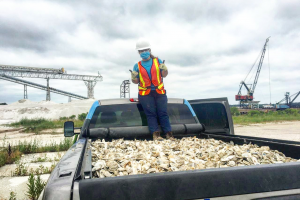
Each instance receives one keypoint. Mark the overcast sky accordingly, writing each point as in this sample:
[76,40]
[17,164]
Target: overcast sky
[208,46]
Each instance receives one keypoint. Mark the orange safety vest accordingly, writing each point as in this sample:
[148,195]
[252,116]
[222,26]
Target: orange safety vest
[145,82]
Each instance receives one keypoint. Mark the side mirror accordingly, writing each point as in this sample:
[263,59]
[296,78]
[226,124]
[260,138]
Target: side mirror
[69,129]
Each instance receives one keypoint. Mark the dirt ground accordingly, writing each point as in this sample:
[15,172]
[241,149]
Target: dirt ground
[13,136]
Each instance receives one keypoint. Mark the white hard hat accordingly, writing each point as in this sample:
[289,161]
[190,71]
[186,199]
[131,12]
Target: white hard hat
[142,44]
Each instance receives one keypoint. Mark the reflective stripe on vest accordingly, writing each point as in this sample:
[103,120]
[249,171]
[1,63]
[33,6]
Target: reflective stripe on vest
[145,82]
[157,82]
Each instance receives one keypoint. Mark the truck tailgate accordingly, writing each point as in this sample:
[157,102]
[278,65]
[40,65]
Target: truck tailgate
[195,184]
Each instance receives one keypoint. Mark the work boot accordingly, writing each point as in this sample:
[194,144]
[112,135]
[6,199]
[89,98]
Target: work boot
[156,136]
[169,136]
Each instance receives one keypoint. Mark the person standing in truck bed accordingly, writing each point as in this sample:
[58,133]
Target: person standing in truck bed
[148,74]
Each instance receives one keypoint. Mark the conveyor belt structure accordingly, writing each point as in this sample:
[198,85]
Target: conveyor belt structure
[41,87]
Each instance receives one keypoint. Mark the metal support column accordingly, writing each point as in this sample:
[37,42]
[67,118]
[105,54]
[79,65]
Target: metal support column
[48,91]
[124,88]
[287,98]
[90,86]
[25,92]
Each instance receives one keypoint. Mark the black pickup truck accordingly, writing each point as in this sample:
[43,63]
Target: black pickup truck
[72,178]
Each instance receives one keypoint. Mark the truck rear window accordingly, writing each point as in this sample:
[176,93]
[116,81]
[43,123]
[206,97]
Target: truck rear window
[126,115]
[212,115]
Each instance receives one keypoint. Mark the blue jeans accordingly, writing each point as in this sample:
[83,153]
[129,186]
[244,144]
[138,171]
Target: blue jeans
[155,107]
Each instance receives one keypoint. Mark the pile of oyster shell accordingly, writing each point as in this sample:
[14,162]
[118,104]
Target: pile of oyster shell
[127,157]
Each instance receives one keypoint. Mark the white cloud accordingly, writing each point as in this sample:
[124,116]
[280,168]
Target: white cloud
[209,46]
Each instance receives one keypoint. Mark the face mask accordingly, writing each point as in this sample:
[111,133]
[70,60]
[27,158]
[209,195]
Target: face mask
[145,55]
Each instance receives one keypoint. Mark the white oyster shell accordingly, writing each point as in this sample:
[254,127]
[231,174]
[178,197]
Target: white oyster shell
[128,157]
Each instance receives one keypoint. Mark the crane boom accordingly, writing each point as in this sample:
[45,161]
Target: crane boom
[297,94]
[259,66]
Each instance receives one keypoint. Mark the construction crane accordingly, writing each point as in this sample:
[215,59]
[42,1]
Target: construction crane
[250,90]
[288,98]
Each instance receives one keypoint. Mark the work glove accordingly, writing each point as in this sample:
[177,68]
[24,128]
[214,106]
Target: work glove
[163,67]
[134,75]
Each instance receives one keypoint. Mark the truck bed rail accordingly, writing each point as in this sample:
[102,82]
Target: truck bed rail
[143,131]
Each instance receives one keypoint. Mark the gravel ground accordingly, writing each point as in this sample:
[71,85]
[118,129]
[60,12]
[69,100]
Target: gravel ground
[12,136]
[16,184]
[280,130]
[30,161]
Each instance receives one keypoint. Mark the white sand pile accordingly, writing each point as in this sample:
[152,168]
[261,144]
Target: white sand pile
[46,109]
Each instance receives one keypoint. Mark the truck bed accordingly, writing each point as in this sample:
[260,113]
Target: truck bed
[205,183]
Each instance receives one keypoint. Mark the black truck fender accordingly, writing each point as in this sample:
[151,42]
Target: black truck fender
[60,183]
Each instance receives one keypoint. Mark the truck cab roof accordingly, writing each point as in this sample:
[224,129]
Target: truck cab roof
[133,100]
